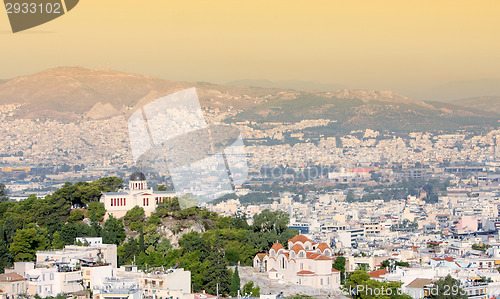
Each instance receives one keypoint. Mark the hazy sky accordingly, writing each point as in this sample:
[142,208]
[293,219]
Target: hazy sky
[401,45]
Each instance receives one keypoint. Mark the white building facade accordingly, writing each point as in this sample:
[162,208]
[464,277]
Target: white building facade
[118,203]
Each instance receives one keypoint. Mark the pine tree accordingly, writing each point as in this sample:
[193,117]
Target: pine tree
[217,272]
[141,242]
[235,283]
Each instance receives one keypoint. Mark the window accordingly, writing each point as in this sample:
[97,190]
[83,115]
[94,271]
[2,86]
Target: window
[112,201]
[51,276]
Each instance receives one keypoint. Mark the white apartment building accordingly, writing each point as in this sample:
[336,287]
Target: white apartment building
[119,288]
[49,280]
[159,283]
[72,254]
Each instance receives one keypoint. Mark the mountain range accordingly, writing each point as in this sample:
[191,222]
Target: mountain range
[456,90]
[288,84]
[75,93]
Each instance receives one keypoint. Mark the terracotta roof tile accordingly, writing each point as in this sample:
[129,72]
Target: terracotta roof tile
[305,272]
[11,277]
[299,238]
[323,246]
[378,273]
[297,248]
[419,283]
[277,246]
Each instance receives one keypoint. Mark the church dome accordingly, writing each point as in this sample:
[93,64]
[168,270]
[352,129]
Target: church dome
[137,176]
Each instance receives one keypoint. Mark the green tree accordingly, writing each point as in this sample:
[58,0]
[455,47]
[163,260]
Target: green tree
[364,267]
[134,218]
[359,285]
[250,289]
[75,215]
[194,241]
[235,283]
[109,184]
[57,241]
[339,265]
[27,242]
[3,193]
[448,288]
[217,273]
[55,206]
[96,211]
[6,258]
[387,263]
[350,196]
[239,221]
[480,246]
[127,251]
[269,221]
[141,242]
[113,233]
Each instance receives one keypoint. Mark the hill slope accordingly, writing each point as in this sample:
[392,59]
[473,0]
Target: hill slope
[67,93]
[289,84]
[452,91]
[361,109]
[491,104]
[73,93]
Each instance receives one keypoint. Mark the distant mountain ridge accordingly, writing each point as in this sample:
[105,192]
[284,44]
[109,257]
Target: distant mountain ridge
[362,109]
[75,93]
[288,84]
[456,90]
[491,103]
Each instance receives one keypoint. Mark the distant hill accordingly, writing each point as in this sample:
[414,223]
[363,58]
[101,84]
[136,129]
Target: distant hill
[455,90]
[68,93]
[74,93]
[289,84]
[491,104]
[361,109]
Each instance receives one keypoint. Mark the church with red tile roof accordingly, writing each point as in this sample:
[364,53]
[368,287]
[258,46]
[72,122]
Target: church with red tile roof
[303,263]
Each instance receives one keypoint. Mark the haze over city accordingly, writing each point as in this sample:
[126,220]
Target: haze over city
[423,49]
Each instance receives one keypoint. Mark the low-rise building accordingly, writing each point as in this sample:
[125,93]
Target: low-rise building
[119,288]
[13,285]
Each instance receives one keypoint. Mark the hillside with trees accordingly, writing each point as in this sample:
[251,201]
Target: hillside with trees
[164,239]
